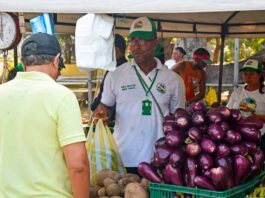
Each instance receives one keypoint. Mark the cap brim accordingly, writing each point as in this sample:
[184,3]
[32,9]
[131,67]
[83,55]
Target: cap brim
[249,69]
[208,62]
[142,35]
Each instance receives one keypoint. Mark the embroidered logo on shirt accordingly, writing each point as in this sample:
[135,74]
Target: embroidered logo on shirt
[247,106]
[127,87]
[161,87]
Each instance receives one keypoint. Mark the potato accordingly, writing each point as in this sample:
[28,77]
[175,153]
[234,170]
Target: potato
[102,192]
[113,189]
[134,177]
[115,197]
[105,173]
[124,181]
[94,191]
[135,190]
[108,181]
[145,184]
[104,197]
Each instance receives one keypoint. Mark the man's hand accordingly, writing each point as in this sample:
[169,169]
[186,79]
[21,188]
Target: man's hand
[102,112]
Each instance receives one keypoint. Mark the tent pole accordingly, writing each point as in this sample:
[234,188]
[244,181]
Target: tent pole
[236,62]
[15,57]
[89,93]
[221,65]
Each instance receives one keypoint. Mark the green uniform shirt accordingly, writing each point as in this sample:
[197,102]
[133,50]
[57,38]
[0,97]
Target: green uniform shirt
[38,117]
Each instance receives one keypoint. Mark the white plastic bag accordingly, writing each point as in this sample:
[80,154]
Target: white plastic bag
[94,42]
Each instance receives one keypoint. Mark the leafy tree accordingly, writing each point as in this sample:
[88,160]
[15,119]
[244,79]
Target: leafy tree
[248,47]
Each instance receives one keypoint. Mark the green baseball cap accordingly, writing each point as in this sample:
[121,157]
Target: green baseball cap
[252,65]
[143,28]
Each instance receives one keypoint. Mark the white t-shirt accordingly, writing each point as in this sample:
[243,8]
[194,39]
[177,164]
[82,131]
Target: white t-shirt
[248,102]
[135,134]
[170,63]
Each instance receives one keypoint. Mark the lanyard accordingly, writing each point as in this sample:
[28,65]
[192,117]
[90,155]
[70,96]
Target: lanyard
[144,85]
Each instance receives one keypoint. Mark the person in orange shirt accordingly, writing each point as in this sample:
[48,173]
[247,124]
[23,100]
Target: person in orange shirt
[193,75]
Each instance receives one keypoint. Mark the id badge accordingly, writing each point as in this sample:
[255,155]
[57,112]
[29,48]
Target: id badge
[146,107]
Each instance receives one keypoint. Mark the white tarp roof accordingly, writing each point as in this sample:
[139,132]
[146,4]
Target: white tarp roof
[243,18]
[130,6]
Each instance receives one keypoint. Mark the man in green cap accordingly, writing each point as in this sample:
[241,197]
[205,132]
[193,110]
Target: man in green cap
[143,91]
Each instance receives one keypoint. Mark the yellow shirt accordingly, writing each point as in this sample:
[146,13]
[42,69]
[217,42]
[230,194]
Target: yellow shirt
[38,117]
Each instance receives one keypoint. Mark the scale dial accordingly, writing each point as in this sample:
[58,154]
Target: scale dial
[9,31]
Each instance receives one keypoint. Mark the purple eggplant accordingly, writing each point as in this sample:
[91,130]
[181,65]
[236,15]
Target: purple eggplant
[204,128]
[183,121]
[215,105]
[205,161]
[215,132]
[208,145]
[224,162]
[239,149]
[193,149]
[250,134]
[251,123]
[203,182]
[195,134]
[160,142]
[197,106]
[206,173]
[219,177]
[191,171]
[173,175]
[177,158]
[174,138]
[235,115]
[155,164]
[241,168]
[258,158]
[198,118]
[252,146]
[225,112]
[146,171]
[215,116]
[224,126]
[169,119]
[181,112]
[232,137]
[222,150]
[162,154]
[167,127]
[257,165]
[254,170]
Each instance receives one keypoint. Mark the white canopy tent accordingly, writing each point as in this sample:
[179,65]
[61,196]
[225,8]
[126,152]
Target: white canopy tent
[174,18]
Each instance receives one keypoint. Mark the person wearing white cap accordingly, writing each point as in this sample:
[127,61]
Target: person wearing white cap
[250,99]
[144,91]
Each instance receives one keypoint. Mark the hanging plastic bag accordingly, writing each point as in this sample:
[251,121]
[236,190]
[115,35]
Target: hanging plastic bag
[94,42]
[102,150]
[42,23]
[211,96]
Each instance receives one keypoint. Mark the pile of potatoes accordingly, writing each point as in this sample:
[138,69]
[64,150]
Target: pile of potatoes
[110,184]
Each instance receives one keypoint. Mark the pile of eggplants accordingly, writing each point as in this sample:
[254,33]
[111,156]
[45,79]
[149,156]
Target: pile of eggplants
[212,149]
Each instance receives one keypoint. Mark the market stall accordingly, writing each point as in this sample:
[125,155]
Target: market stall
[181,19]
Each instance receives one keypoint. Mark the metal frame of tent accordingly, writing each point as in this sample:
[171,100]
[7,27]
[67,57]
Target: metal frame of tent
[222,34]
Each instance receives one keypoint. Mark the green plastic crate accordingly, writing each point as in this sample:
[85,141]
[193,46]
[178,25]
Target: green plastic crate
[158,190]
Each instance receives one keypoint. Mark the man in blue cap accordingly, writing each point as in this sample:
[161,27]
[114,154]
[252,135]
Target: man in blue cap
[42,140]
[143,91]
